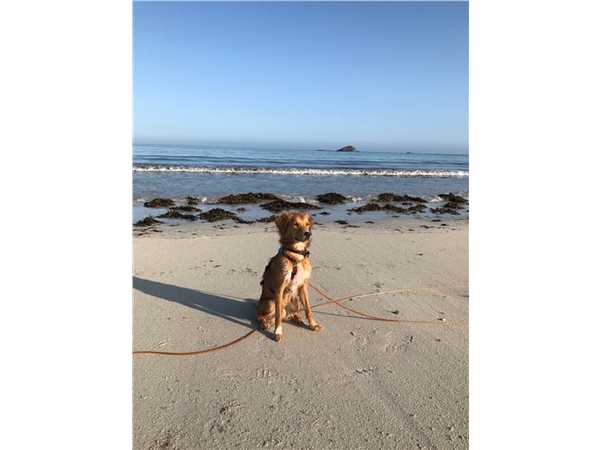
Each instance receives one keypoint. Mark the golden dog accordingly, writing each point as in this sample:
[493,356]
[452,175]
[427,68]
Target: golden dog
[285,280]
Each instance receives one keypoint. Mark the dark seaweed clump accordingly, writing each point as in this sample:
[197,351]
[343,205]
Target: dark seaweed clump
[282,205]
[416,209]
[192,201]
[453,204]
[185,208]
[240,220]
[391,197]
[172,213]
[451,198]
[332,198]
[217,214]
[370,207]
[159,203]
[388,208]
[267,219]
[147,222]
[250,197]
[445,210]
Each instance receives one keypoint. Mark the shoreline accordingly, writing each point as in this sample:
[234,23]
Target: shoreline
[386,225]
[252,208]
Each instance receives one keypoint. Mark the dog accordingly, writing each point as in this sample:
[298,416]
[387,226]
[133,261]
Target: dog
[285,279]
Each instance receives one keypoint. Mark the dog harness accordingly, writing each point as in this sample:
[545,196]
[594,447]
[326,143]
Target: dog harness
[282,251]
[304,253]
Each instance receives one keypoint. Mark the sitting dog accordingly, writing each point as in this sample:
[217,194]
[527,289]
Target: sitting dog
[285,280]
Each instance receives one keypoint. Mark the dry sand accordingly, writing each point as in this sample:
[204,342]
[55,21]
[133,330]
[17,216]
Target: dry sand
[356,384]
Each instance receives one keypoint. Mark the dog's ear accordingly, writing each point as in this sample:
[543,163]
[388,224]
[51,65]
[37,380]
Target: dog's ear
[310,220]
[282,222]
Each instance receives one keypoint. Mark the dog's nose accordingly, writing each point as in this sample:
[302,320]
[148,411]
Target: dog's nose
[307,234]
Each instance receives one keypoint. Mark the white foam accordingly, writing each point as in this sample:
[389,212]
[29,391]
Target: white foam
[309,172]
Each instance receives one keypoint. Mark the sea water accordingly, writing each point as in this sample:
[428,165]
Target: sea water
[210,172]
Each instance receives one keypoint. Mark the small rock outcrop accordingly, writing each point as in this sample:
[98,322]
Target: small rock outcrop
[347,148]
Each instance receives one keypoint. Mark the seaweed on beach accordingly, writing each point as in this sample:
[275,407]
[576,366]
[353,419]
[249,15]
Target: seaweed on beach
[192,201]
[243,221]
[159,203]
[391,197]
[369,207]
[172,213]
[249,197]
[147,222]
[332,198]
[216,214]
[416,209]
[444,210]
[452,205]
[267,219]
[451,198]
[185,208]
[377,207]
[282,205]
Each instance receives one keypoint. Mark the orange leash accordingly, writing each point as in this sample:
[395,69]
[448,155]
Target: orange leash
[329,301]
[199,352]
[368,316]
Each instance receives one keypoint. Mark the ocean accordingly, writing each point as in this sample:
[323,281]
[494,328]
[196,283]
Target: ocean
[177,171]
[297,175]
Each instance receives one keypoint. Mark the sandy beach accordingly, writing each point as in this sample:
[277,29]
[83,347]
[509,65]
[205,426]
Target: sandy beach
[357,384]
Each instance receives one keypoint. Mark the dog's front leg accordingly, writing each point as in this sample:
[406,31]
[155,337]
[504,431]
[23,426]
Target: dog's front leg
[313,325]
[279,312]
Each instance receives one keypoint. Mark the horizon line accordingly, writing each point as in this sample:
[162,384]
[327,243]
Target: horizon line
[289,146]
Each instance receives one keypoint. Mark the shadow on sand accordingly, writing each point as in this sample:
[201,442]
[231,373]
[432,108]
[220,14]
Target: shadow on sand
[240,311]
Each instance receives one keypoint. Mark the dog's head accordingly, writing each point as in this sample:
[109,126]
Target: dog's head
[294,228]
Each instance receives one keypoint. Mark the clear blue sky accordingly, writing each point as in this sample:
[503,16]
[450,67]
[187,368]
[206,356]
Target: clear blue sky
[387,76]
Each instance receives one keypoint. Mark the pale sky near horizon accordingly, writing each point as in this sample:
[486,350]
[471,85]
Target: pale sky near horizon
[380,76]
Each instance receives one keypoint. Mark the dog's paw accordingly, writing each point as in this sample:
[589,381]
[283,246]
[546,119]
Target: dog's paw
[295,319]
[316,327]
[278,333]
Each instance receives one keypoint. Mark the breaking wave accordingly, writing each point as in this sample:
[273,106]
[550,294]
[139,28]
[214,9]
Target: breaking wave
[431,173]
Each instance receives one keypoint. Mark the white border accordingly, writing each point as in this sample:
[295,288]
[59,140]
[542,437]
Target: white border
[66,224]
[533,310]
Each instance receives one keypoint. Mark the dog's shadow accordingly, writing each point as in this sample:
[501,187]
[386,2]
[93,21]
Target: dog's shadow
[240,311]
